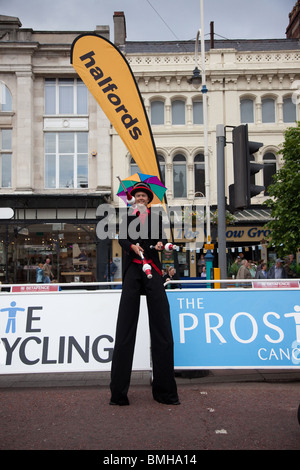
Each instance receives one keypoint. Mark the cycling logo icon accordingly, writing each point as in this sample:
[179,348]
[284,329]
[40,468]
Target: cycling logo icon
[12,314]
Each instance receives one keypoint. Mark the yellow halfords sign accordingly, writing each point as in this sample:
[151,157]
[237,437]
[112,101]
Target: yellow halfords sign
[109,78]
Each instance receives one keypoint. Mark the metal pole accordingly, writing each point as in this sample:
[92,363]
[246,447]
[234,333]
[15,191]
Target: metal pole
[220,132]
[205,126]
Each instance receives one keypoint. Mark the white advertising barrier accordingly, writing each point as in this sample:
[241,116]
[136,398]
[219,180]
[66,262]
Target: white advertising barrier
[67,331]
[45,330]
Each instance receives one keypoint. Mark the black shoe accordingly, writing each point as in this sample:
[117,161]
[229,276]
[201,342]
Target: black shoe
[177,402]
[120,403]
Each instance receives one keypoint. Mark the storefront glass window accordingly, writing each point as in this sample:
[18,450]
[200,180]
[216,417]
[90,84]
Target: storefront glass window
[71,249]
[168,261]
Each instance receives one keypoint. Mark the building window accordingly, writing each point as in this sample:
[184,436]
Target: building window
[199,174]
[289,110]
[5,98]
[65,96]
[269,170]
[162,165]
[252,176]
[247,111]
[157,112]
[134,167]
[179,176]
[197,112]
[178,112]
[66,160]
[268,110]
[6,157]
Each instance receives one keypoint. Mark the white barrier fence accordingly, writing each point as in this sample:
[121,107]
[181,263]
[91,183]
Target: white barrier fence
[45,329]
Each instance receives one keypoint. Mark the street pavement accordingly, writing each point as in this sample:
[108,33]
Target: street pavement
[224,410]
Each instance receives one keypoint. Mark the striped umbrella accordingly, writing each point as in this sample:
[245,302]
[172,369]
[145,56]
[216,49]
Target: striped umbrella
[154,182]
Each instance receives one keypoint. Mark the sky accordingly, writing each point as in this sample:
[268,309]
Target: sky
[157,20]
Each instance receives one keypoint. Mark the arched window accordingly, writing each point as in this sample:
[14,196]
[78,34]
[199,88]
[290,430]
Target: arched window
[157,112]
[179,176]
[199,174]
[197,112]
[5,98]
[289,110]
[162,166]
[269,170]
[268,110]
[178,112]
[134,167]
[247,111]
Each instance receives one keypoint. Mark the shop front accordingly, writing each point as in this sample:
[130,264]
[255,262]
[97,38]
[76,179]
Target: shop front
[71,249]
[61,229]
[252,240]
[64,230]
[189,258]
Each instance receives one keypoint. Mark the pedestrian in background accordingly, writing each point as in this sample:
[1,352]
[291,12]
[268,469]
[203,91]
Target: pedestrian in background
[40,274]
[244,271]
[110,271]
[277,271]
[262,272]
[172,276]
[47,269]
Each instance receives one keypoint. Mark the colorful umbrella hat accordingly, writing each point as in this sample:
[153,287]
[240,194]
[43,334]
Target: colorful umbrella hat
[154,182]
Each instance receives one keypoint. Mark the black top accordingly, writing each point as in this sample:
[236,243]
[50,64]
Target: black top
[148,234]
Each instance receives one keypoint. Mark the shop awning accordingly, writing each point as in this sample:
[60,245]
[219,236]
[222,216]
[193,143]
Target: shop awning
[262,215]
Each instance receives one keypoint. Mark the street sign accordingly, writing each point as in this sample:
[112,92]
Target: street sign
[209,246]
[6,213]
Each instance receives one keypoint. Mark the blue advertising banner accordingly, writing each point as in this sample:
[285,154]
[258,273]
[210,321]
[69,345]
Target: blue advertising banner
[244,328]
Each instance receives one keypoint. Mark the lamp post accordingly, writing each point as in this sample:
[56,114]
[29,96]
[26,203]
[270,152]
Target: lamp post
[197,79]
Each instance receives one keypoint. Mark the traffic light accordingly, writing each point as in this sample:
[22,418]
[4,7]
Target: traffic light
[241,192]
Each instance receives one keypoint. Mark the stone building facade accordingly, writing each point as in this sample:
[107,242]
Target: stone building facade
[253,82]
[55,158]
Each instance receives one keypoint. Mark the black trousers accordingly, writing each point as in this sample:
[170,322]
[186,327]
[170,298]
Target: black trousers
[164,387]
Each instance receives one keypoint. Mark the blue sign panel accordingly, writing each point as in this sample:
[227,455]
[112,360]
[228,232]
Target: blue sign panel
[236,328]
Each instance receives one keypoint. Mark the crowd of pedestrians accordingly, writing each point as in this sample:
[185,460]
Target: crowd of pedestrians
[281,269]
